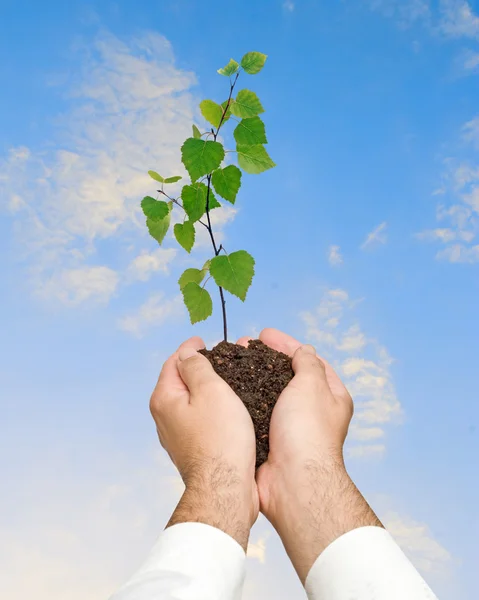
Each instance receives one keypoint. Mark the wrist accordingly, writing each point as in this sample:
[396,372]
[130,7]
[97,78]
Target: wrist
[317,505]
[219,498]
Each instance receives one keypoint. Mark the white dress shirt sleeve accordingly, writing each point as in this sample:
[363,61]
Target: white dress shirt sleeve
[190,561]
[365,564]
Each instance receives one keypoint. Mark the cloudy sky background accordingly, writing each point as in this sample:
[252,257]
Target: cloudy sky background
[366,237]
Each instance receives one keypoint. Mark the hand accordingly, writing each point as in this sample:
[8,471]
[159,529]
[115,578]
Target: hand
[304,488]
[209,436]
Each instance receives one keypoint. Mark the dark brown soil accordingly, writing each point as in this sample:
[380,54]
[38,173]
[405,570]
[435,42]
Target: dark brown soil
[258,374]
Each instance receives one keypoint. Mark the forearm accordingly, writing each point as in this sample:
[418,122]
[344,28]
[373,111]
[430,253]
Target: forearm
[217,494]
[337,544]
[201,553]
[322,506]
[223,506]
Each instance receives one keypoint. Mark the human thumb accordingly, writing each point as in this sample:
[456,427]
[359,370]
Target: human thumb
[194,368]
[306,364]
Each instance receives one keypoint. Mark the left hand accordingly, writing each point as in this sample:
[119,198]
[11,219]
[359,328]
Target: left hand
[209,436]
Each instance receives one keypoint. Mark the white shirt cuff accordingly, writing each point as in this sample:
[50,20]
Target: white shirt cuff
[190,561]
[363,564]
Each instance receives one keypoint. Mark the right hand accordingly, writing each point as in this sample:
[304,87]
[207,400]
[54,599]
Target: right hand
[304,488]
[309,422]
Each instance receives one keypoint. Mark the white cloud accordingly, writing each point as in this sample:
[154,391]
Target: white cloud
[405,12]
[154,312]
[471,130]
[131,109]
[459,208]
[366,451]
[78,285]
[76,537]
[220,217]
[447,18]
[365,434]
[426,553]
[363,363]
[457,19]
[352,340]
[470,61]
[459,253]
[376,236]
[257,549]
[288,6]
[145,264]
[334,256]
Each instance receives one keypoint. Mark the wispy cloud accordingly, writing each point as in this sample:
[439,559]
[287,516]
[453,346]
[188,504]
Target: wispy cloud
[363,363]
[415,538]
[458,212]
[77,558]
[154,312]
[457,19]
[257,549]
[289,6]
[334,256]
[405,12]
[469,62]
[79,285]
[131,109]
[145,264]
[448,18]
[376,236]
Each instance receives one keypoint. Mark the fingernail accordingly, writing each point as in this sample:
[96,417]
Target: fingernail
[186,353]
[308,349]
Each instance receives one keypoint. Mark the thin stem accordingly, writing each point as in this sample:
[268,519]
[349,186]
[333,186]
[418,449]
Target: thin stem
[204,284]
[217,249]
[175,201]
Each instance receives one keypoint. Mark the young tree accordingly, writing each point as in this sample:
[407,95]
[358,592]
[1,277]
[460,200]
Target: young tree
[203,157]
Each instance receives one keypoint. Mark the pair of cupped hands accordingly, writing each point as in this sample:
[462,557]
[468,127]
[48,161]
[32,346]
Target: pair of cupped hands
[209,436]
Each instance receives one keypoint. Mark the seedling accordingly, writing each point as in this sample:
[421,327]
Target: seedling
[204,159]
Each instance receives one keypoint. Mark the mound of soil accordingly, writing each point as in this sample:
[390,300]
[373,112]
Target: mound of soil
[257,374]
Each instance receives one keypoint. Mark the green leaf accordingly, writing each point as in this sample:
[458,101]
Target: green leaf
[201,157]
[194,200]
[198,302]
[227,182]
[192,275]
[158,229]
[196,132]
[253,62]
[154,209]
[233,272]
[172,179]
[211,111]
[154,175]
[213,203]
[254,159]
[250,131]
[185,235]
[230,68]
[246,105]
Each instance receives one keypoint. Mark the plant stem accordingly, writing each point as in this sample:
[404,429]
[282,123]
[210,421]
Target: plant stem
[175,201]
[209,227]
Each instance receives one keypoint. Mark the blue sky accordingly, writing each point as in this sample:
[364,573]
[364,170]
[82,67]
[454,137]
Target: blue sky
[366,237]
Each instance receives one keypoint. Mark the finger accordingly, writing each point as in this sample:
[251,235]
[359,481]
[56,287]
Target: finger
[282,342]
[308,368]
[285,343]
[169,376]
[243,341]
[195,369]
